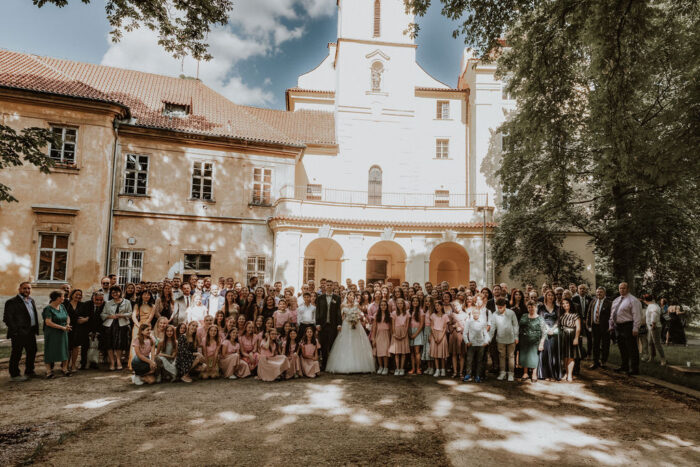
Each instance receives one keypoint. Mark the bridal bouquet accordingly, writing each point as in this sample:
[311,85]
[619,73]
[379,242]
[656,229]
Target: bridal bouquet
[353,317]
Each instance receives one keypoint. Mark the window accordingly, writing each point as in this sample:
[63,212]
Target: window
[136,175]
[443,110]
[442,148]
[130,267]
[256,268]
[197,262]
[309,269]
[376,71]
[262,186]
[175,110]
[374,188]
[377,17]
[313,192]
[53,257]
[65,153]
[442,197]
[202,179]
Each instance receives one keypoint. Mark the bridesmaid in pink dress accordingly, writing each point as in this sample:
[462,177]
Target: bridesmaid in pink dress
[202,330]
[438,338]
[211,351]
[281,316]
[382,336]
[399,336]
[309,354]
[231,365]
[272,364]
[250,346]
[291,350]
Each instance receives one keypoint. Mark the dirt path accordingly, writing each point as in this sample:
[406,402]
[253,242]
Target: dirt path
[98,418]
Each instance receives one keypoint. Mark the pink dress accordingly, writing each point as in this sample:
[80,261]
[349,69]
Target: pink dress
[309,367]
[211,354]
[231,363]
[437,325]
[248,345]
[456,342]
[294,362]
[382,341]
[399,339]
[271,366]
[293,316]
[281,318]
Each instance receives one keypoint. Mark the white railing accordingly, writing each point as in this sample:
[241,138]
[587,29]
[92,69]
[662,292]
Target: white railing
[331,195]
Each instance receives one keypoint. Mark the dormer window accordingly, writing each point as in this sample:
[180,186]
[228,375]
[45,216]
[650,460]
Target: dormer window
[175,110]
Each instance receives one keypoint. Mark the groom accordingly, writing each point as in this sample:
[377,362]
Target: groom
[328,321]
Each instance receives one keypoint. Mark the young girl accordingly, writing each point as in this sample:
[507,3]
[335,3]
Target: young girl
[202,330]
[428,309]
[240,324]
[416,334]
[167,353]
[211,350]
[188,356]
[260,326]
[143,363]
[457,347]
[309,354]
[250,343]
[181,330]
[291,351]
[281,316]
[399,336]
[293,313]
[220,322]
[271,364]
[438,338]
[381,333]
[230,363]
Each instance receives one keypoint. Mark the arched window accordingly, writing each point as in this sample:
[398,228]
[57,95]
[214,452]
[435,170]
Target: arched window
[377,70]
[377,16]
[374,189]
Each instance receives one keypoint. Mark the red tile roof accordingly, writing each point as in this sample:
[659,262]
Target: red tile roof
[145,95]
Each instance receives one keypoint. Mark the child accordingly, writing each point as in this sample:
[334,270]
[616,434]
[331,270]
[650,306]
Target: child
[211,350]
[309,354]
[456,345]
[271,364]
[381,332]
[281,316]
[230,363]
[167,352]
[202,330]
[505,323]
[416,334]
[399,337]
[438,338]
[143,363]
[188,356]
[250,346]
[476,338]
[285,334]
[428,309]
[291,350]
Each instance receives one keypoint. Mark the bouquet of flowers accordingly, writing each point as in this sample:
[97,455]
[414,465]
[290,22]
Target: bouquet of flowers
[353,316]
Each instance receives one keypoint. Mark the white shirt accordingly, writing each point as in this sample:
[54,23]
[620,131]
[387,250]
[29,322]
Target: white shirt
[475,333]
[306,314]
[653,315]
[196,313]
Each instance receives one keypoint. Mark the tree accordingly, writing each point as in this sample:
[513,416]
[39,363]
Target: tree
[605,136]
[182,27]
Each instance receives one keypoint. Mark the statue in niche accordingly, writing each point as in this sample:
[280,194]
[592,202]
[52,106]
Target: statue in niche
[377,69]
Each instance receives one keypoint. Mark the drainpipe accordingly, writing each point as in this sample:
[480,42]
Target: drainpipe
[113,185]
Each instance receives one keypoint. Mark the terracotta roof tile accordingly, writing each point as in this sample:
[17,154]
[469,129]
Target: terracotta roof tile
[145,95]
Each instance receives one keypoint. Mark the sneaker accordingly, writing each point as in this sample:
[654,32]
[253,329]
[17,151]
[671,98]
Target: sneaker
[18,379]
[437,373]
[379,371]
[385,372]
[510,376]
[467,378]
[477,379]
[236,377]
[397,372]
[136,380]
[501,376]
[442,372]
[429,371]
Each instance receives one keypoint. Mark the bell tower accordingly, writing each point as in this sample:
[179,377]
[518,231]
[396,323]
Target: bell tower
[374,20]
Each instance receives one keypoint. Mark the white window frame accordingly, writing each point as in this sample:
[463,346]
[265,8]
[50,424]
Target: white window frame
[261,201]
[202,178]
[62,158]
[257,271]
[442,198]
[442,148]
[53,251]
[442,110]
[130,272]
[136,172]
[170,109]
[309,265]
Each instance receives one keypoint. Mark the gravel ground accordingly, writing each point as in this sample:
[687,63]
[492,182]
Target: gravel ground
[99,418]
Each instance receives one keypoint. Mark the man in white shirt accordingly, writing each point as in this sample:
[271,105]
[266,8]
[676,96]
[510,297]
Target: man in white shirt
[653,318]
[181,305]
[306,313]
[625,319]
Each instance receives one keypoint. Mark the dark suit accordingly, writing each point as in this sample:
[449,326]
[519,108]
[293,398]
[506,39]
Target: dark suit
[21,332]
[328,317]
[600,331]
[584,303]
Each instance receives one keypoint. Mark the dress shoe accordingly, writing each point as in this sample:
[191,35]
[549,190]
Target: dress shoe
[18,379]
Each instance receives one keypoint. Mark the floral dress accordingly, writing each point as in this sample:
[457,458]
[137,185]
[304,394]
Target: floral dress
[185,355]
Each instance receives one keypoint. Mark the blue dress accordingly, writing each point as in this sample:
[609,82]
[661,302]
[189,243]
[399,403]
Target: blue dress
[550,358]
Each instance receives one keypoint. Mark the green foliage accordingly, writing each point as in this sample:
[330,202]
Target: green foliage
[606,133]
[182,25]
[29,145]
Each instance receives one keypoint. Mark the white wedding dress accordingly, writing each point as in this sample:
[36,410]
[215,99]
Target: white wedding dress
[351,351]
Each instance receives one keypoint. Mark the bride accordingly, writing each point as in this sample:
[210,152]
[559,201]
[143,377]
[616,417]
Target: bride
[351,351]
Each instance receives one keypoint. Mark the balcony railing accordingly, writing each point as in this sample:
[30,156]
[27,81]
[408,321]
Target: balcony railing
[331,195]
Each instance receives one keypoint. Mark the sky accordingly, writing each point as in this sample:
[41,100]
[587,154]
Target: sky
[257,56]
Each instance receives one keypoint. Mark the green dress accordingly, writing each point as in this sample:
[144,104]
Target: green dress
[55,340]
[531,331]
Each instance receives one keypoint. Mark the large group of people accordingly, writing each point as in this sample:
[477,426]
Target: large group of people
[175,330]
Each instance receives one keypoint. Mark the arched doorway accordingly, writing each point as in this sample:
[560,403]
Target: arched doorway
[449,262]
[322,260]
[386,261]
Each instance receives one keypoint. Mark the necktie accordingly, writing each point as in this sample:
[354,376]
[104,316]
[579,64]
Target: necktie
[328,310]
[187,301]
[597,310]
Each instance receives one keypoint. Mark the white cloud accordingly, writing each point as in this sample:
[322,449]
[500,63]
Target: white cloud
[256,28]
